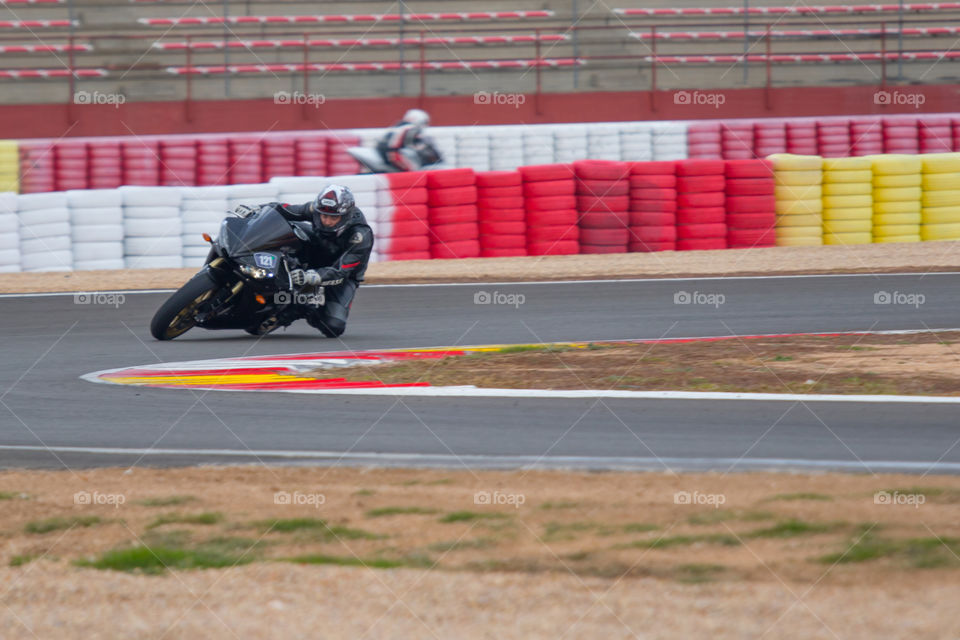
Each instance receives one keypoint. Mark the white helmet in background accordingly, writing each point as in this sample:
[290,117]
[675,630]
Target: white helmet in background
[417,117]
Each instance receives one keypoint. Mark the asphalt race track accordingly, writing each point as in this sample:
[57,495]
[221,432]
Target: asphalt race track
[50,418]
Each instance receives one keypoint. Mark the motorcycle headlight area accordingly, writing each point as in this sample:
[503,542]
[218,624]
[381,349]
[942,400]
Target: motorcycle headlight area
[257,273]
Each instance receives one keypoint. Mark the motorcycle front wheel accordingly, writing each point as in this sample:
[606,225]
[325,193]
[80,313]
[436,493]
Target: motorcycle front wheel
[176,316]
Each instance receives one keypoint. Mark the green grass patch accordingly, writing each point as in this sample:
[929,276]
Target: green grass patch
[459,545]
[166,501]
[793,528]
[59,524]
[12,495]
[698,573]
[354,561]
[554,348]
[470,516]
[399,511]
[364,492]
[782,358]
[156,560]
[685,540]
[314,528]
[20,560]
[917,553]
[288,525]
[639,527]
[787,497]
[561,504]
[206,518]
[716,516]
[555,531]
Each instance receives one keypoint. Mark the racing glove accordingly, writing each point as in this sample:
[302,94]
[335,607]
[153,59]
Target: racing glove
[299,277]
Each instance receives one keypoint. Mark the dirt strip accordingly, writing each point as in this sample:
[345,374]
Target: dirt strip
[874,258]
[899,364]
[381,553]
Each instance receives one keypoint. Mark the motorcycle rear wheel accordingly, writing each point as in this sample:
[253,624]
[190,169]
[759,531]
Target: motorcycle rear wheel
[176,316]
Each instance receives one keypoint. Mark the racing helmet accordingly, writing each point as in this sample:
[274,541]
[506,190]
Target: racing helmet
[333,200]
[417,117]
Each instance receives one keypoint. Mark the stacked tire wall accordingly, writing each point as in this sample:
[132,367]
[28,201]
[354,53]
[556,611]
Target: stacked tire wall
[595,206]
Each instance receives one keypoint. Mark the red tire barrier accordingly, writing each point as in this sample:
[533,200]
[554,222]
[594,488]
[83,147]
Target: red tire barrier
[653,204]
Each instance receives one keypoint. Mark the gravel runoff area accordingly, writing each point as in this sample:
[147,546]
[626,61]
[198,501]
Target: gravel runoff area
[873,258]
[378,553]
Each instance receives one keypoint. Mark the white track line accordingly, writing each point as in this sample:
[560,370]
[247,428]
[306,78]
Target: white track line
[457,461]
[536,283]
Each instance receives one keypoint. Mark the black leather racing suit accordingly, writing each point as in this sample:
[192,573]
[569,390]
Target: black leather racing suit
[341,258]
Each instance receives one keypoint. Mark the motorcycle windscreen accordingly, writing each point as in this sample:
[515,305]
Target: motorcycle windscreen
[260,232]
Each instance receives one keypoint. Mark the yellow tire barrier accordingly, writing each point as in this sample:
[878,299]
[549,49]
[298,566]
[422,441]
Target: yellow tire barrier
[799,192]
[885,219]
[834,177]
[897,207]
[940,231]
[940,181]
[892,239]
[9,166]
[798,207]
[847,238]
[896,230]
[792,233]
[940,198]
[797,178]
[847,188]
[809,241]
[847,226]
[800,220]
[895,164]
[941,162]
[859,213]
[791,162]
[844,202]
[847,164]
[941,215]
[897,194]
[906,180]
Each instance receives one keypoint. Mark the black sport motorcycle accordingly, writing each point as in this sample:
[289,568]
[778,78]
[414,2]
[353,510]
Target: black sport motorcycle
[245,282]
